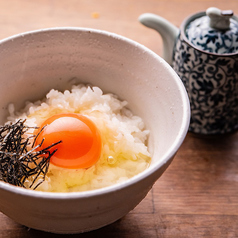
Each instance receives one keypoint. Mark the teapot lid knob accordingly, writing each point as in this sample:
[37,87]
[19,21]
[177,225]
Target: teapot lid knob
[219,19]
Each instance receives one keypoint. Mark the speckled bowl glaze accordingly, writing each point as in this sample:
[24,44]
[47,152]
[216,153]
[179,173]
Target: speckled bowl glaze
[33,63]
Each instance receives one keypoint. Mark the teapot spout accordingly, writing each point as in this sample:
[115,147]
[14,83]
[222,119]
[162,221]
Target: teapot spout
[168,32]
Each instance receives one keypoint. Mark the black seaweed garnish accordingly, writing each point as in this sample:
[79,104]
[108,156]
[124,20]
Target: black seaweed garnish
[17,161]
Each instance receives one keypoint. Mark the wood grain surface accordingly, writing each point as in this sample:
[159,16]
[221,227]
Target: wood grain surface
[197,196]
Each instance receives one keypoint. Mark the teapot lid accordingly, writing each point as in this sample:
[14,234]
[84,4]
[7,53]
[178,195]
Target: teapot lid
[215,32]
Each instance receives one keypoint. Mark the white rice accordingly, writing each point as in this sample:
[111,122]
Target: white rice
[124,153]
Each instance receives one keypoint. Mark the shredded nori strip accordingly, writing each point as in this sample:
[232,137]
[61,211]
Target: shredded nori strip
[17,162]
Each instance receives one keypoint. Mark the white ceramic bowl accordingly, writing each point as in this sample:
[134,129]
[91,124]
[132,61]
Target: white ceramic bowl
[33,63]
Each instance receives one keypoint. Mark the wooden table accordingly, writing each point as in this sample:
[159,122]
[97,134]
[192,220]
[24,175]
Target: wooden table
[198,194]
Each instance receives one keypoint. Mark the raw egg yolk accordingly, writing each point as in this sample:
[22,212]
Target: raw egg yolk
[81,141]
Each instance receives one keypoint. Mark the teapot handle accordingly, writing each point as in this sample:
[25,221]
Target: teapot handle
[168,32]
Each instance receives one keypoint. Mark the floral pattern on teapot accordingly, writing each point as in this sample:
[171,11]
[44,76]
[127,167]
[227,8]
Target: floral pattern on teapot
[212,86]
[213,40]
[204,53]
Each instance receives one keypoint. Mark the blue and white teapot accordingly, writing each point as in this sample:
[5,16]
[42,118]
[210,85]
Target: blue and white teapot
[204,53]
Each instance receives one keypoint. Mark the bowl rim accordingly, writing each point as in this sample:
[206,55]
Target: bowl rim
[141,176]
